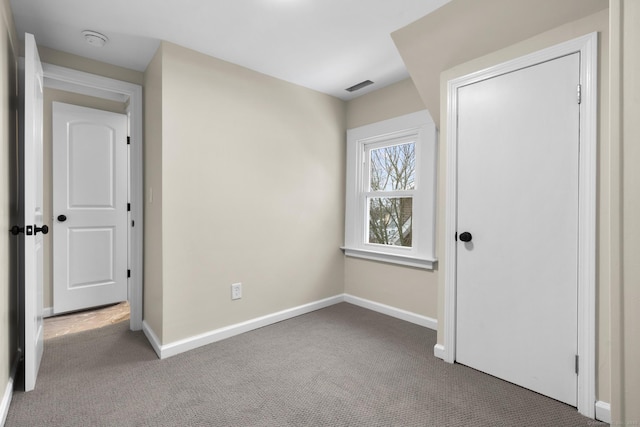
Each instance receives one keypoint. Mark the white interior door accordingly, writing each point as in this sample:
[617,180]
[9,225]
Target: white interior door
[90,195]
[31,212]
[518,153]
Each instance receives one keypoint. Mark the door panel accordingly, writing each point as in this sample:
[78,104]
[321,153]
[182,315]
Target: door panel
[518,197]
[90,191]
[92,250]
[31,213]
[90,163]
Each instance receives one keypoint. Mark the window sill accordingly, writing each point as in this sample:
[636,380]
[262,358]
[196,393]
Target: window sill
[409,261]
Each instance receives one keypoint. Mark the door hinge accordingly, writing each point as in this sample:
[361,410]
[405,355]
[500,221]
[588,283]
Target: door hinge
[128,140]
[128,207]
[577,364]
[128,273]
[133,223]
[456,236]
[579,93]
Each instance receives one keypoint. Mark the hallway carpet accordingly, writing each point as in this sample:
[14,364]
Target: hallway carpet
[339,366]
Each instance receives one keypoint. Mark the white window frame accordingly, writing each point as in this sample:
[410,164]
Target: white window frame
[420,128]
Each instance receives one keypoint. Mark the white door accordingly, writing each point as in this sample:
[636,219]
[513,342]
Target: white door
[31,239]
[90,194]
[518,137]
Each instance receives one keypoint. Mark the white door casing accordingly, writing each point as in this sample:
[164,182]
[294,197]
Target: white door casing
[90,195]
[31,214]
[518,137]
[587,47]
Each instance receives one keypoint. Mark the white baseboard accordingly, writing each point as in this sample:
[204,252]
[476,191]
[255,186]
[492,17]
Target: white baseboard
[8,391]
[603,411]
[6,401]
[153,338]
[47,312]
[398,313]
[177,347]
[438,351]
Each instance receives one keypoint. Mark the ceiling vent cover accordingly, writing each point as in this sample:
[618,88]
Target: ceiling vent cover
[359,86]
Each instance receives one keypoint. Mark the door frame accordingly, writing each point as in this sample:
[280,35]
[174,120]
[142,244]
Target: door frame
[587,46]
[75,81]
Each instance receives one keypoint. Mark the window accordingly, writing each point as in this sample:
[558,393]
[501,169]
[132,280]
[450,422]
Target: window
[390,202]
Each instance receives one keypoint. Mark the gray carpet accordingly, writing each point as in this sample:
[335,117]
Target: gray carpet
[340,366]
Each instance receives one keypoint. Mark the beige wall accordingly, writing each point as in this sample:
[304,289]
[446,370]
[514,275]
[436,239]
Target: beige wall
[153,265]
[8,193]
[466,29]
[50,96]
[510,46]
[64,59]
[407,288]
[391,101]
[252,192]
[626,296]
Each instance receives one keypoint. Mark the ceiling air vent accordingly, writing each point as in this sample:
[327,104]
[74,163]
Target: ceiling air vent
[359,86]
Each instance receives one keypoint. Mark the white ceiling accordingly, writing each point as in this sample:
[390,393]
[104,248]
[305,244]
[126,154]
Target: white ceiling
[326,45]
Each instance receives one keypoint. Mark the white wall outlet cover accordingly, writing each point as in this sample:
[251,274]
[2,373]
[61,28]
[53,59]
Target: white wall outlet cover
[236,291]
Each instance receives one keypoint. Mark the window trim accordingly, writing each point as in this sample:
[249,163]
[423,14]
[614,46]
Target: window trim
[420,128]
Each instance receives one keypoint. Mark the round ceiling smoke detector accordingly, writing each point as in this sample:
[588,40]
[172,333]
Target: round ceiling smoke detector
[94,38]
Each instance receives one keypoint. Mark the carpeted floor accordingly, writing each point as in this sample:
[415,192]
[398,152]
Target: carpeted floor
[340,366]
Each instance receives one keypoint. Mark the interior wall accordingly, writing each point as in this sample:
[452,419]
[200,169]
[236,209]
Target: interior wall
[69,60]
[391,101]
[596,22]
[8,193]
[252,192]
[407,288]
[153,249]
[627,410]
[50,96]
[462,30]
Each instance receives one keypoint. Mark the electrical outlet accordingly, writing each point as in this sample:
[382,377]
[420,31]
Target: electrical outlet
[236,291]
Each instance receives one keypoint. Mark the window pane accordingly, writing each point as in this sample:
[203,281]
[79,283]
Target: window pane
[393,167]
[390,220]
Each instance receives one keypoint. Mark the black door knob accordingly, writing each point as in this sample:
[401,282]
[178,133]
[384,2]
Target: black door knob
[15,230]
[62,218]
[44,229]
[466,236]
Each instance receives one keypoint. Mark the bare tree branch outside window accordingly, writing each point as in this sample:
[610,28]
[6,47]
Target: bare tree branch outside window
[390,218]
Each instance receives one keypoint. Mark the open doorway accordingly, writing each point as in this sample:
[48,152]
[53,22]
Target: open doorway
[38,76]
[86,197]
[98,92]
